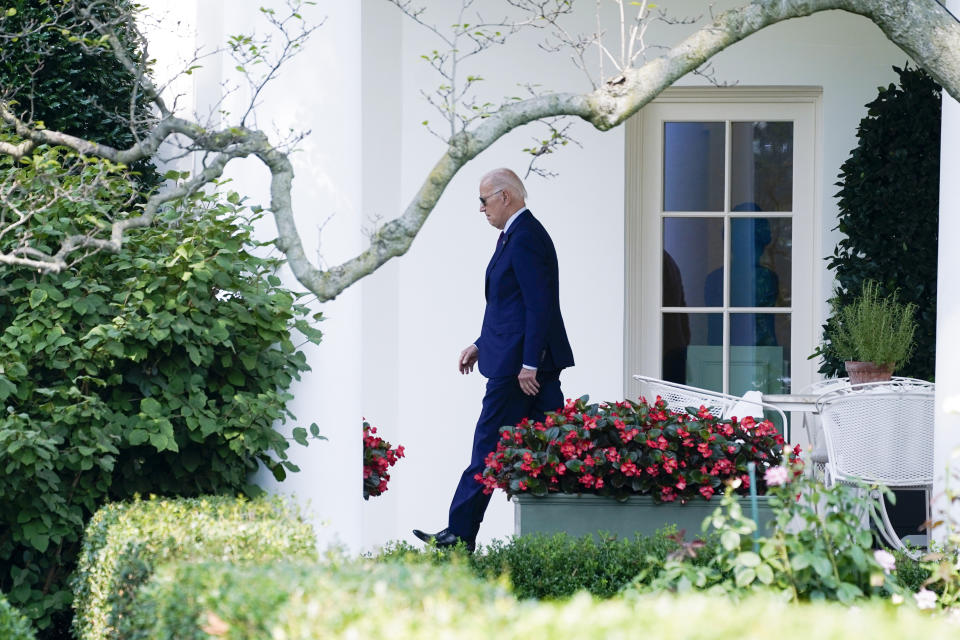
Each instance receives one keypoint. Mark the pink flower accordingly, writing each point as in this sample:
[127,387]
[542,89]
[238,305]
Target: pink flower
[885,559]
[776,476]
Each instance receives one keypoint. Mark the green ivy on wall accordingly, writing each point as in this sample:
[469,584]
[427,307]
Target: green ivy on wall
[889,206]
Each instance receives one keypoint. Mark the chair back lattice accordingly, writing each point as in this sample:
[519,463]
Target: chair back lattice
[880,433]
[679,396]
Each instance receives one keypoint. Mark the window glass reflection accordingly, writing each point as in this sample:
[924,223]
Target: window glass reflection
[689,354]
[761,166]
[760,250]
[693,154]
[693,248]
[759,352]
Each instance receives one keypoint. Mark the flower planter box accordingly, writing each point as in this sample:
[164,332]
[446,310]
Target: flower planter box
[582,514]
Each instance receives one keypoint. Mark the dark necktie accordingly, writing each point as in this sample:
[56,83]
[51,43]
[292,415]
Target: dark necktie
[500,239]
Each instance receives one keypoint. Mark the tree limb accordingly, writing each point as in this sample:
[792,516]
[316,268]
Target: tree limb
[922,28]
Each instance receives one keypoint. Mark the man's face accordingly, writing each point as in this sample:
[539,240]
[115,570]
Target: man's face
[493,203]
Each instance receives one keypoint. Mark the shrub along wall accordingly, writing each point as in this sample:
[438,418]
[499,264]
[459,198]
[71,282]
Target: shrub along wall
[889,209]
[161,369]
[397,601]
[125,542]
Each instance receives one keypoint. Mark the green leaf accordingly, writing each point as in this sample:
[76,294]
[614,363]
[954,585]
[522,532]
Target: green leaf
[765,574]
[194,354]
[300,435]
[163,442]
[6,388]
[822,566]
[150,407]
[847,592]
[730,540]
[745,577]
[37,297]
[748,559]
[800,561]
[309,332]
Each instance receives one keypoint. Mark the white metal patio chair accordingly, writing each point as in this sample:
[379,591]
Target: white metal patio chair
[723,405]
[881,433]
[812,426]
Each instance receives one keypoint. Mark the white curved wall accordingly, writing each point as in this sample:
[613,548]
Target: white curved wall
[391,341]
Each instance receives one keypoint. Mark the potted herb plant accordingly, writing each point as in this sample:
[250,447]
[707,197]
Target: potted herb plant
[873,335]
[627,467]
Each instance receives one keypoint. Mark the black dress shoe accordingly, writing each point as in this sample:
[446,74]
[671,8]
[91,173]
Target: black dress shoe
[444,539]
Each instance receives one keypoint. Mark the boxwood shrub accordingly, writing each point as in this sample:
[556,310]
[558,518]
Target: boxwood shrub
[125,542]
[558,566]
[13,624]
[401,600]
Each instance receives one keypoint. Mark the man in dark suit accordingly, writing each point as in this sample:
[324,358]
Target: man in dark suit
[522,346]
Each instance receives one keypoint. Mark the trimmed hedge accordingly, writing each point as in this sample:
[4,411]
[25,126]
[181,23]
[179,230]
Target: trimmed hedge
[13,624]
[125,542]
[396,600]
[558,566]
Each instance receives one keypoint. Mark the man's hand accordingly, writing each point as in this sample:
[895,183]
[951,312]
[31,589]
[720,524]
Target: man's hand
[468,358]
[528,381]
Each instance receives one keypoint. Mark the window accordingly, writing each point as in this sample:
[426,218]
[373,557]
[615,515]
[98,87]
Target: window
[720,213]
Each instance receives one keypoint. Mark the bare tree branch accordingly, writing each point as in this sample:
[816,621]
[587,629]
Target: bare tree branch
[922,28]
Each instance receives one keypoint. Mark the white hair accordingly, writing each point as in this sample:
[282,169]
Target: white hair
[506,179]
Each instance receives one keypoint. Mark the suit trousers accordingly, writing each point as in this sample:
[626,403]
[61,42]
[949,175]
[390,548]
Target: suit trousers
[504,403]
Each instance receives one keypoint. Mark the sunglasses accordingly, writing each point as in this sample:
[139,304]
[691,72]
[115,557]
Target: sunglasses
[483,199]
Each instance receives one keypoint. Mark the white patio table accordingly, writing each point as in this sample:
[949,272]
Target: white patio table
[806,405]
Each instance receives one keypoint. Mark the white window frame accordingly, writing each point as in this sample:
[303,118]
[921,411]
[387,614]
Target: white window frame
[643,198]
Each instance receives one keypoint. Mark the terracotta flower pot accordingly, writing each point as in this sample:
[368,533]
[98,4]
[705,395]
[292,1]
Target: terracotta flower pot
[860,372]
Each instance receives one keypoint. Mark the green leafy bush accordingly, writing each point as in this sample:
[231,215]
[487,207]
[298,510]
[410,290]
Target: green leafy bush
[818,550]
[911,573]
[558,566]
[889,207]
[13,624]
[126,542]
[400,601]
[161,369]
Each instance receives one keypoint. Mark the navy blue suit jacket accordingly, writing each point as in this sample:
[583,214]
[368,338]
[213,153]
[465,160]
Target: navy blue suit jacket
[522,322]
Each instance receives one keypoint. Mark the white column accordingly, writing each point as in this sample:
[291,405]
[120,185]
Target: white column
[318,91]
[947,436]
[382,115]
